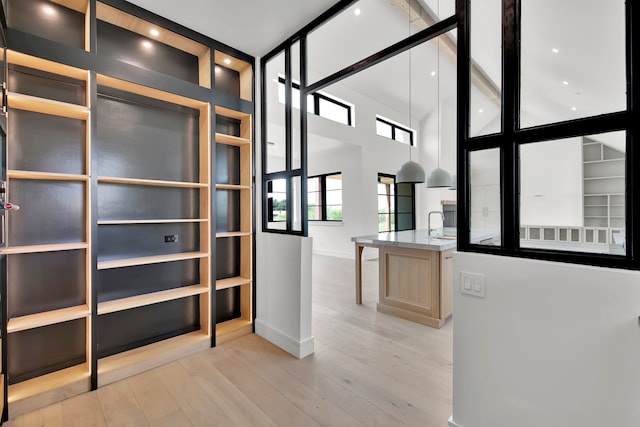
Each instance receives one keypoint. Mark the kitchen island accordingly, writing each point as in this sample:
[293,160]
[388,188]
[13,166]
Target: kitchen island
[415,274]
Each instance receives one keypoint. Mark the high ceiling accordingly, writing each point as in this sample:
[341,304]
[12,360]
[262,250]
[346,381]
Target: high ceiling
[252,26]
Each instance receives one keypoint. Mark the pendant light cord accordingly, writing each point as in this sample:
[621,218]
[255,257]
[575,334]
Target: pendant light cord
[410,131]
[438,87]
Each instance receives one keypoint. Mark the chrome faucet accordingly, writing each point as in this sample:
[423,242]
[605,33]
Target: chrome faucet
[429,219]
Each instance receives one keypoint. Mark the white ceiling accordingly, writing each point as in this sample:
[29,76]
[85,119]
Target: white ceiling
[594,85]
[252,26]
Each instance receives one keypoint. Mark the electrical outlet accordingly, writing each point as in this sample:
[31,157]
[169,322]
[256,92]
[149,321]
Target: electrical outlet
[171,238]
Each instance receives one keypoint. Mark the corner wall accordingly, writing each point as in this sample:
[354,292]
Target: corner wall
[551,344]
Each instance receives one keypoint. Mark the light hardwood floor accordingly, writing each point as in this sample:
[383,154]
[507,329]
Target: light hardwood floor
[369,369]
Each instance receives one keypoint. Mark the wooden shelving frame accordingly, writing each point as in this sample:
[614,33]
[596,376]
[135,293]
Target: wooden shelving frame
[237,327]
[94,71]
[115,367]
[45,389]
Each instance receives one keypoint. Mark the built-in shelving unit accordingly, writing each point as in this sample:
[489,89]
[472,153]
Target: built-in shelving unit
[49,243]
[132,237]
[604,185]
[234,229]
[116,262]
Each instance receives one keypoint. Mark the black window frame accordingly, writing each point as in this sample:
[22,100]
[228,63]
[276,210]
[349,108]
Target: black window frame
[316,97]
[395,202]
[323,197]
[394,128]
[512,136]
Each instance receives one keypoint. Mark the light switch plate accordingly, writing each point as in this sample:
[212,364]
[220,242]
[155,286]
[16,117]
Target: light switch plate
[472,284]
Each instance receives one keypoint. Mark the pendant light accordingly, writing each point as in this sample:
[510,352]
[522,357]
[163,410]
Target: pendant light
[438,177]
[410,172]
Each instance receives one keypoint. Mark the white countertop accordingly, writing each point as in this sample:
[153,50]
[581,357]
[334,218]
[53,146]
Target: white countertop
[412,239]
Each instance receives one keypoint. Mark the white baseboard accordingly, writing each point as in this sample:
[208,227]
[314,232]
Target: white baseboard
[453,423]
[337,254]
[299,349]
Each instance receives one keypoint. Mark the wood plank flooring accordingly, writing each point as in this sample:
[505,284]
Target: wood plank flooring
[369,369]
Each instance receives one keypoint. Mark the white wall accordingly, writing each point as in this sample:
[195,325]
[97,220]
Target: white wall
[551,345]
[551,188]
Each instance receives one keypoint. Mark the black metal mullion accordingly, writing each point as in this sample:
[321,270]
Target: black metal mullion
[509,150]
[288,101]
[633,156]
[303,137]
[463,9]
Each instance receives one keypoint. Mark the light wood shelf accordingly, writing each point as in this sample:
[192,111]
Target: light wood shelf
[148,221]
[31,321]
[149,92]
[47,106]
[232,282]
[24,60]
[232,234]
[150,298]
[46,176]
[43,248]
[232,187]
[154,259]
[225,139]
[123,365]
[151,182]
[41,391]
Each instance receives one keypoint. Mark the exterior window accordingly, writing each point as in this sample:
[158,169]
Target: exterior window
[396,205]
[320,104]
[389,129]
[325,197]
[277,200]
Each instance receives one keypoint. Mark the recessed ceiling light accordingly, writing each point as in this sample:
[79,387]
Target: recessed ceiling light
[480,111]
[555,50]
[227,61]
[433,73]
[154,32]
[48,10]
[574,109]
[357,11]
[217,69]
[147,44]
[564,82]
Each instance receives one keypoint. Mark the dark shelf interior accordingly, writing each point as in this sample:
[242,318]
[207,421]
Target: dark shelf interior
[46,143]
[64,205]
[227,125]
[45,281]
[227,81]
[129,329]
[42,84]
[39,351]
[48,20]
[227,257]
[138,137]
[135,202]
[143,279]
[227,210]
[228,304]
[134,49]
[138,240]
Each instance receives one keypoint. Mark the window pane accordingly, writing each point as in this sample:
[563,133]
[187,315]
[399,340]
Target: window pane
[383,129]
[484,178]
[334,213]
[486,67]
[277,204]
[405,222]
[296,203]
[314,212]
[333,111]
[403,136]
[334,182]
[334,197]
[275,115]
[296,139]
[336,45]
[573,60]
[313,184]
[576,201]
